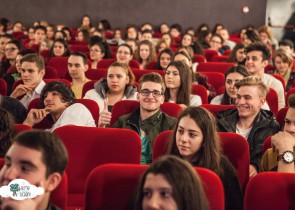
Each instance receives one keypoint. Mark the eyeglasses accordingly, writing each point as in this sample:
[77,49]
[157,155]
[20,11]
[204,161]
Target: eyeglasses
[155,93]
[94,50]
[10,49]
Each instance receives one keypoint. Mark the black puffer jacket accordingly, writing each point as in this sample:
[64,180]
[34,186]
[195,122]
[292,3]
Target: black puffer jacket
[264,126]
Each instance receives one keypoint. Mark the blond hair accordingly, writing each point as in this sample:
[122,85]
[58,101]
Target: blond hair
[253,81]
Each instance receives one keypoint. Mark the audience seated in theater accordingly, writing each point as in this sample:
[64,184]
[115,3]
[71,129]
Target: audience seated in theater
[162,187]
[145,53]
[216,43]
[40,158]
[116,87]
[164,28]
[6,130]
[124,54]
[14,74]
[250,36]
[197,78]
[165,57]
[132,43]
[288,46]
[167,38]
[161,45]
[131,32]
[32,72]
[97,53]
[178,81]
[58,100]
[4,38]
[77,66]
[225,36]
[283,63]
[11,50]
[16,109]
[281,156]
[39,36]
[204,38]
[238,55]
[148,120]
[249,120]
[257,56]
[60,48]
[195,139]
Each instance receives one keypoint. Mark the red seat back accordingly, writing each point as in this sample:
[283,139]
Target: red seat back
[220,58]
[3,87]
[201,91]
[216,79]
[124,178]
[21,127]
[209,54]
[199,58]
[281,116]
[96,74]
[273,101]
[100,147]
[270,190]
[266,144]
[60,64]
[214,67]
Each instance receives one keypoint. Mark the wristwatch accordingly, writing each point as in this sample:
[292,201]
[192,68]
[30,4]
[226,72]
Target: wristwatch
[287,157]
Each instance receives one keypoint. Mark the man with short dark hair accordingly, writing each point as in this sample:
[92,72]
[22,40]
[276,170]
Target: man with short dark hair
[40,158]
[148,120]
[248,119]
[58,100]
[287,45]
[4,38]
[32,72]
[281,157]
[257,56]
[77,66]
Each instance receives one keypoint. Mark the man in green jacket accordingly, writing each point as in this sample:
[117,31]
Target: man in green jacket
[148,120]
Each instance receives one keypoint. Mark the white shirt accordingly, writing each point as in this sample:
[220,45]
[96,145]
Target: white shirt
[76,114]
[29,96]
[194,101]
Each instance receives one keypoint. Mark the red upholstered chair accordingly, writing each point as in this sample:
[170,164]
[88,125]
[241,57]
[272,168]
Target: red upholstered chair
[290,92]
[269,69]
[127,106]
[201,91]
[139,73]
[50,73]
[227,53]
[270,190]
[235,39]
[100,193]
[209,54]
[92,106]
[60,64]
[100,147]
[79,48]
[220,58]
[105,63]
[134,64]
[152,65]
[21,127]
[59,195]
[215,109]
[214,67]
[236,149]
[3,87]
[216,79]
[273,101]
[199,58]
[46,54]
[88,86]
[266,144]
[234,146]
[281,116]
[281,79]
[96,74]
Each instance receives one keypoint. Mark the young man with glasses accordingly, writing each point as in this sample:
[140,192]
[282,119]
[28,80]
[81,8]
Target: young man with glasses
[148,120]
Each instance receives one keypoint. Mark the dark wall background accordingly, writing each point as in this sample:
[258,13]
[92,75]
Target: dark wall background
[123,12]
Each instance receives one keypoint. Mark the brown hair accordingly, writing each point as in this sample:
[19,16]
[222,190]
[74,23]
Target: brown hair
[152,77]
[126,69]
[34,58]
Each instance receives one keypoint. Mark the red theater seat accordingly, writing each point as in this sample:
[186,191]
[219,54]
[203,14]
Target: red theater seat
[214,67]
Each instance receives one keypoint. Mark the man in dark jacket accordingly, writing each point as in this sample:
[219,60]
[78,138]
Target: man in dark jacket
[148,120]
[249,120]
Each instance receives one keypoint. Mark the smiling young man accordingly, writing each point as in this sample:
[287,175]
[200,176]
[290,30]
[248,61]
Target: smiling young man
[58,100]
[248,119]
[38,157]
[32,72]
[148,120]
[257,56]
[281,157]
[77,66]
